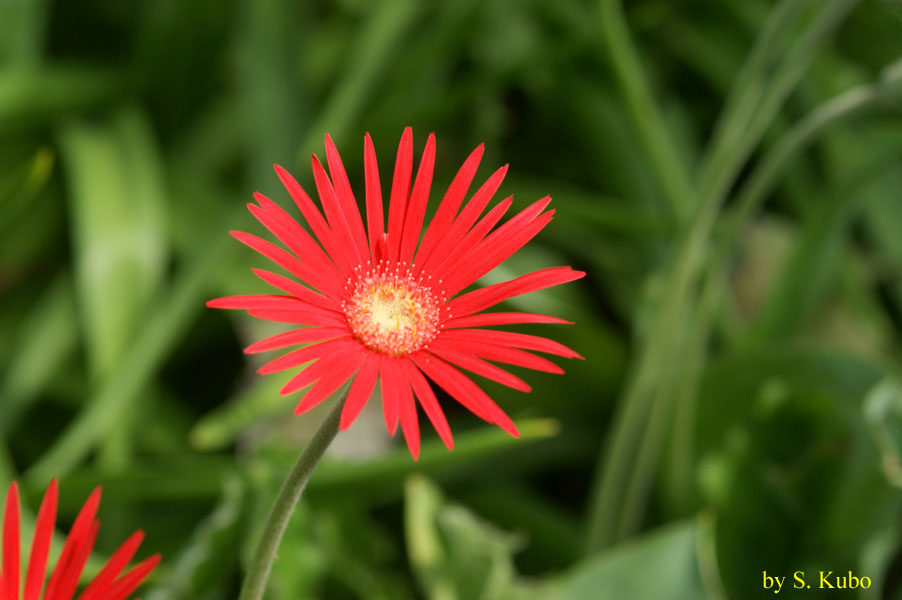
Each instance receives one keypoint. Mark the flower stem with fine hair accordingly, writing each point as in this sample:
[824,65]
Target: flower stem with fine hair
[277,521]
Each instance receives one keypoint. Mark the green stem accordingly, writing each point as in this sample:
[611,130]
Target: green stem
[277,521]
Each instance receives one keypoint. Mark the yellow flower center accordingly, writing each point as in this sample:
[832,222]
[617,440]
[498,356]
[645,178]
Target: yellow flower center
[391,313]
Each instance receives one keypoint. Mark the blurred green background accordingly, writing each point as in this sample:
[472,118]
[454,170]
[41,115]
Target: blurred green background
[729,174]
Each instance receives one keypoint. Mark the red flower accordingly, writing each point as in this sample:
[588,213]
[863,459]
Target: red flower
[108,585]
[387,305]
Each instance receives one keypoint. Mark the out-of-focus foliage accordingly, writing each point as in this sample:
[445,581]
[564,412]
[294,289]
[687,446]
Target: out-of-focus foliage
[729,174]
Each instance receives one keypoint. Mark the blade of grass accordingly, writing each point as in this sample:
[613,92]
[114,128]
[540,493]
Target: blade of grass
[749,84]
[379,41]
[660,354]
[759,184]
[48,338]
[670,171]
[273,108]
[118,202]
[755,112]
[117,205]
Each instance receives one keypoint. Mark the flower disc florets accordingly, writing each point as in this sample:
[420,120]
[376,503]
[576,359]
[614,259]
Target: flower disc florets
[391,312]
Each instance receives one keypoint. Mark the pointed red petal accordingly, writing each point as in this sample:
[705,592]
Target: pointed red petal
[114,566]
[299,316]
[69,580]
[400,191]
[390,382]
[455,233]
[439,371]
[323,388]
[297,290]
[483,298]
[296,337]
[350,253]
[501,318]
[313,217]
[346,198]
[462,389]
[40,546]
[290,263]
[131,580]
[375,221]
[506,355]
[295,237]
[472,363]
[409,420]
[285,309]
[296,358]
[78,536]
[510,338]
[500,245]
[419,197]
[324,365]
[10,587]
[361,389]
[429,403]
[479,231]
[447,208]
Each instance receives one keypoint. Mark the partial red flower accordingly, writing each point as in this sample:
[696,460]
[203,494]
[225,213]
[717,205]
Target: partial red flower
[387,305]
[109,584]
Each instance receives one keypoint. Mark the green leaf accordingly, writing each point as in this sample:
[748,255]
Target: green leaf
[117,200]
[455,554]
[663,565]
